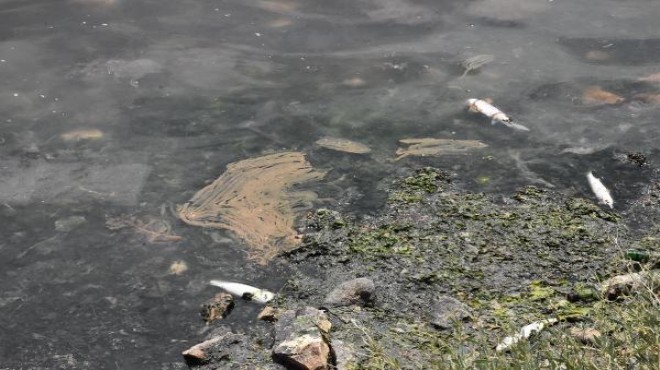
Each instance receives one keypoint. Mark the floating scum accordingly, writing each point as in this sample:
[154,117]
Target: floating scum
[253,199]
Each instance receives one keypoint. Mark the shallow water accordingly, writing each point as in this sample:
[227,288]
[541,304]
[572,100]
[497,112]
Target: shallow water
[180,89]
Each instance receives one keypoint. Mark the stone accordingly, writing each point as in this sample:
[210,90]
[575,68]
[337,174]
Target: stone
[360,291]
[300,339]
[198,353]
[344,355]
[445,310]
[268,314]
[217,307]
[307,352]
[617,286]
[586,335]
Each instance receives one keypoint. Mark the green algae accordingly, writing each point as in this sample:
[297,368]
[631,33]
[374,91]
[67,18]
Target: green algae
[509,262]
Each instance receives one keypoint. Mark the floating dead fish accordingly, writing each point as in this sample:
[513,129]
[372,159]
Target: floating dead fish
[595,95]
[601,192]
[525,332]
[244,291]
[343,145]
[473,63]
[423,147]
[495,114]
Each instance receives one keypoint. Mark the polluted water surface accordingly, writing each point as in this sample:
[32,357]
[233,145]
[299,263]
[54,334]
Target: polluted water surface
[116,111]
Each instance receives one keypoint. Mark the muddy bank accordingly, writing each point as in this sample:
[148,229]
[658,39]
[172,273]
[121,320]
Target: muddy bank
[447,275]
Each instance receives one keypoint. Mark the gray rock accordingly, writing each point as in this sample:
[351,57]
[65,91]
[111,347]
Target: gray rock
[358,291]
[344,355]
[300,339]
[445,310]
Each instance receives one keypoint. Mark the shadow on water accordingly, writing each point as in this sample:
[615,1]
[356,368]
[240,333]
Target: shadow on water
[122,110]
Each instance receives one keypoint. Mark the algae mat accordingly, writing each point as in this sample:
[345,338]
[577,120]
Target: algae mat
[253,200]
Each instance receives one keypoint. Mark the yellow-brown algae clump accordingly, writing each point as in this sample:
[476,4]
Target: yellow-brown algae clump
[435,147]
[253,199]
[82,134]
[595,95]
[343,145]
[178,267]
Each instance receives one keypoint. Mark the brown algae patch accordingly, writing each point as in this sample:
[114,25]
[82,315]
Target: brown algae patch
[82,134]
[153,229]
[435,147]
[343,145]
[595,95]
[252,198]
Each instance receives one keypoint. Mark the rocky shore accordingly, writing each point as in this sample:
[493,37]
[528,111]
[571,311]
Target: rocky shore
[445,278]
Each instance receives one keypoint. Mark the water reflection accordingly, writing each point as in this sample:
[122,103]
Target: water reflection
[116,108]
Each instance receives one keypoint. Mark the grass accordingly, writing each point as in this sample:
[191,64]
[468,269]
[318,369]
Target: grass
[629,339]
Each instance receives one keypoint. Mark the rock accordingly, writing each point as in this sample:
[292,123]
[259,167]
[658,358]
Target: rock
[358,291]
[585,335]
[217,307]
[445,310]
[223,350]
[299,338]
[268,314]
[198,353]
[344,355]
[307,352]
[617,286]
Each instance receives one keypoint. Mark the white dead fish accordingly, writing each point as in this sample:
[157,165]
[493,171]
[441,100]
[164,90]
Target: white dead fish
[494,113]
[600,190]
[244,291]
[525,332]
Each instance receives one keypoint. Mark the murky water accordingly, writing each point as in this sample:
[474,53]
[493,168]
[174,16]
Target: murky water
[123,109]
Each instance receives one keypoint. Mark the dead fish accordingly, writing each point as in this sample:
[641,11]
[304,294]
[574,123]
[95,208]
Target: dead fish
[600,190]
[525,332]
[495,114]
[244,291]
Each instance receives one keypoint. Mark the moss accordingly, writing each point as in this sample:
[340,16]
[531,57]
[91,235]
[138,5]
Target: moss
[540,292]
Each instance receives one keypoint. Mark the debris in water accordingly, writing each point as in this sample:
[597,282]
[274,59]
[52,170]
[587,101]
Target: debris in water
[178,267]
[435,147]
[244,291]
[217,307]
[354,82]
[82,134]
[525,332]
[155,230]
[595,95]
[647,98]
[596,55]
[473,63]
[654,77]
[343,145]
[495,114]
[601,192]
[253,200]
